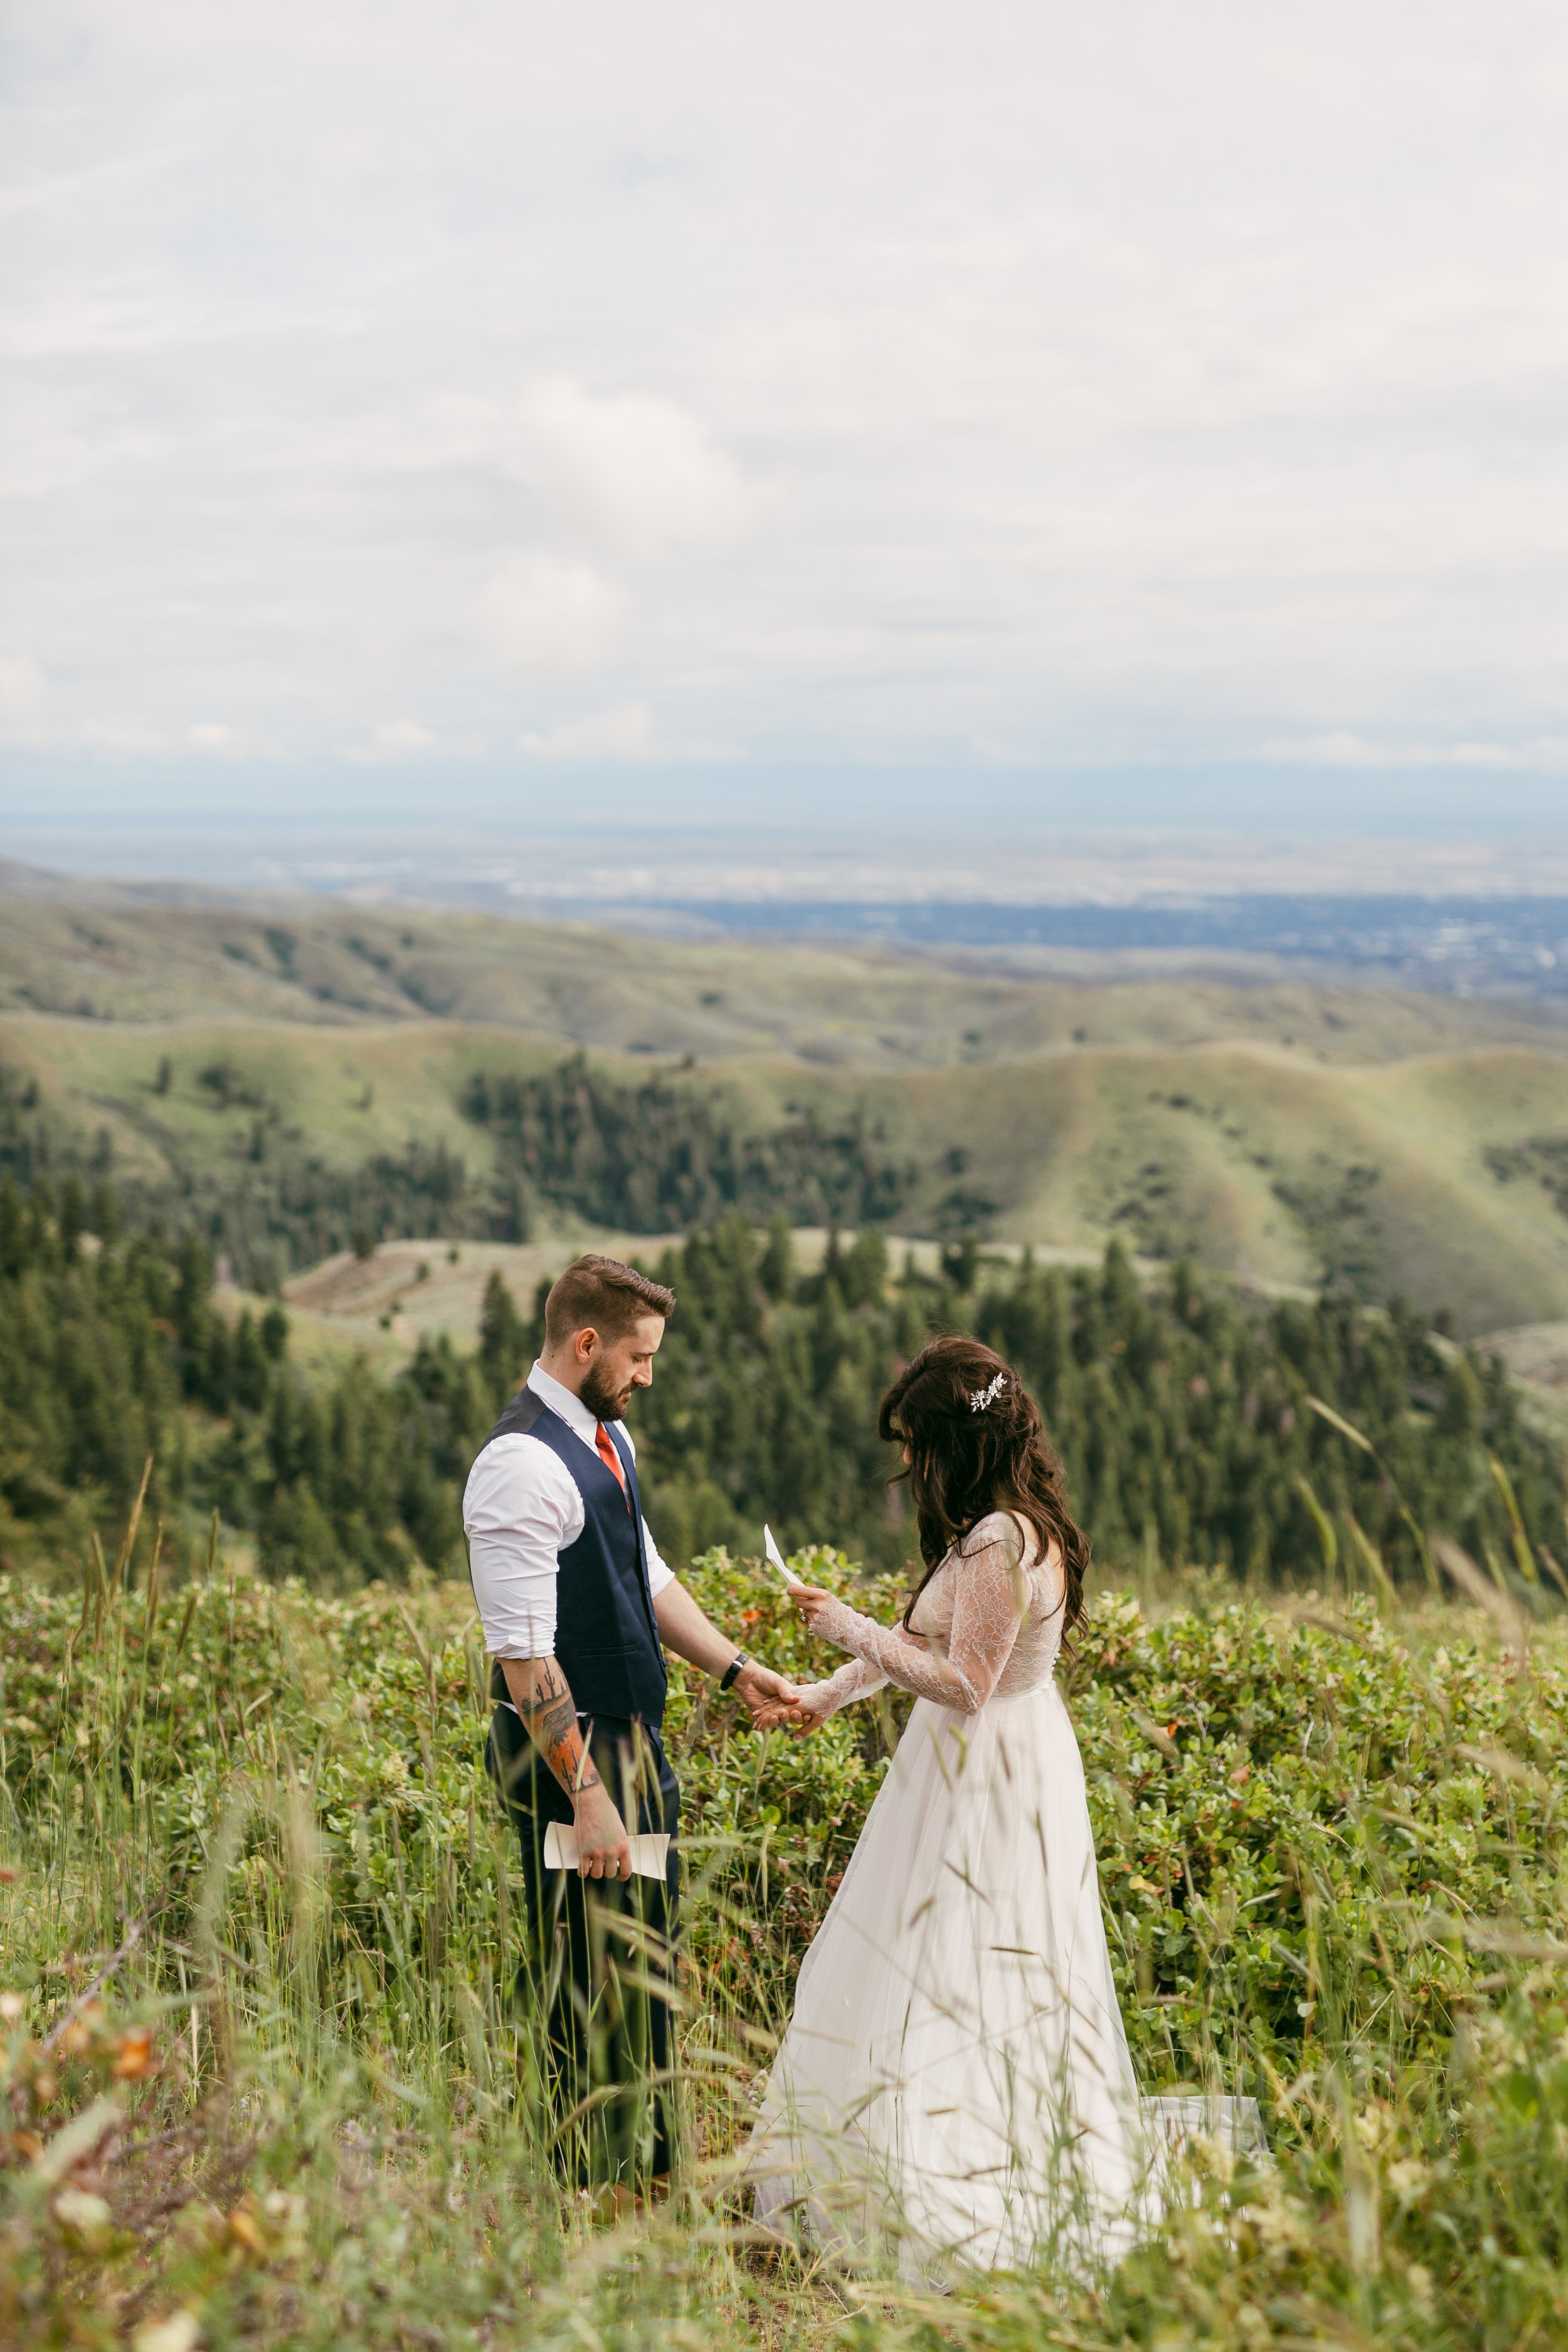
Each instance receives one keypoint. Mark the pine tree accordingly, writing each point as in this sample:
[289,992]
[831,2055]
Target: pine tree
[503,1338]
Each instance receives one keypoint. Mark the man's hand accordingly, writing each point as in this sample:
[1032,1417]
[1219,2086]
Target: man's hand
[541,1695]
[762,1690]
[688,1630]
[602,1848]
[798,1718]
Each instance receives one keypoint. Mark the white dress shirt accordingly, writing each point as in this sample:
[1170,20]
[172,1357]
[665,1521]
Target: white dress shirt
[521,1509]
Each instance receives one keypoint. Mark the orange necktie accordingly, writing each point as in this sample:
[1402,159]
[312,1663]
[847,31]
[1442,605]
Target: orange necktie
[609,1454]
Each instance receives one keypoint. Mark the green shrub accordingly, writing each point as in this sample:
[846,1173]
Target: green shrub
[1333,1864]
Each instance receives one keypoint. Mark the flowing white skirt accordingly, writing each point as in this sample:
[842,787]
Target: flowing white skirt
[956,2078]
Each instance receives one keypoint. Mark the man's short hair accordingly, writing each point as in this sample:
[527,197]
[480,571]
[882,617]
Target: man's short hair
[601,1293]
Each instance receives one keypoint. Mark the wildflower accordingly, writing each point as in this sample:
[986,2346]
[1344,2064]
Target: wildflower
[176,2333]
[85,2220]
[1408,2177]
[135,2054]
[244,2229]
[1419,2279]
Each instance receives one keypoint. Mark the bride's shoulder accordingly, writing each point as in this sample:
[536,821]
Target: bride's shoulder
[1003,1527]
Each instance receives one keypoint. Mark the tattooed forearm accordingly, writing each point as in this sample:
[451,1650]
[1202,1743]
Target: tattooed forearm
[542,1697]
[560,1742]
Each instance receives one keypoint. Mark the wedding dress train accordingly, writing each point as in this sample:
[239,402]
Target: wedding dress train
[956,2080]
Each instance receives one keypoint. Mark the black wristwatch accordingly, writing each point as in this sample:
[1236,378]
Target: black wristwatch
[742,1658]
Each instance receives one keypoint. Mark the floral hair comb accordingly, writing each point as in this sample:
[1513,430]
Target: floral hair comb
[980,1398]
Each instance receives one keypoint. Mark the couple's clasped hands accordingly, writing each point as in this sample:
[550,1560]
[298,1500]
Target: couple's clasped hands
[771,1700]
[785,1708]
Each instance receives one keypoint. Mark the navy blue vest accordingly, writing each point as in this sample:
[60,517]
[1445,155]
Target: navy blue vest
[607,1636]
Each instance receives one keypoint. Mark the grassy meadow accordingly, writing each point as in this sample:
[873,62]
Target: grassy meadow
[263,2086]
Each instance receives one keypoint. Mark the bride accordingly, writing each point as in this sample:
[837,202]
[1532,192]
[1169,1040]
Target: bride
[955,2077]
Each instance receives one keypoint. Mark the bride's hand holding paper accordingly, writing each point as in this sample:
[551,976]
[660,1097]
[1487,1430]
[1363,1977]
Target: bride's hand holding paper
[811,1601]
[787,1711]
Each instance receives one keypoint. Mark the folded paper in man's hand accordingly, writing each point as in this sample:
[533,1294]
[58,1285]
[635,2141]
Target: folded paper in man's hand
[649,1850]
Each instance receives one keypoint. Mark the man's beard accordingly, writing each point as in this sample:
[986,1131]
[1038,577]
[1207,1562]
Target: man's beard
[604,1401]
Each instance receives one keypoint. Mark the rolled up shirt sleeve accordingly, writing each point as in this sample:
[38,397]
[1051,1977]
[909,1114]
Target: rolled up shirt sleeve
[659,1576]
[521,1510]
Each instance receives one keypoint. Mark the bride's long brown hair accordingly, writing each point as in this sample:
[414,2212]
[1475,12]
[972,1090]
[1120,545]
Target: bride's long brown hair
[977,1444]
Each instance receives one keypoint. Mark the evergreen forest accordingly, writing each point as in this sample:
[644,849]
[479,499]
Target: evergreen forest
[663,1154]
[1190,1418]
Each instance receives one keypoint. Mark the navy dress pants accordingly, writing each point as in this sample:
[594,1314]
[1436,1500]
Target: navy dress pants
[597,1954]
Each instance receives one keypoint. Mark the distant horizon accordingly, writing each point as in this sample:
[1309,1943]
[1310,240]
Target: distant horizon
[601,841]
[1447,938]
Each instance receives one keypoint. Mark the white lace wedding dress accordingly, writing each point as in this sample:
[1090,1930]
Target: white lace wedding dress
[956,2080]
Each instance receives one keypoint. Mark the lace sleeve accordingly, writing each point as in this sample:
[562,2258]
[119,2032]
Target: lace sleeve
[989,1599]
[855,1678]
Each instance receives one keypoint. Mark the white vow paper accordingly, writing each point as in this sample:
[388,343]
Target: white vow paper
[649,1848]
[775,1560]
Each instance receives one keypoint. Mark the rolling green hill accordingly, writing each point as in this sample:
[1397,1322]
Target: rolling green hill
[328,965]
[1286,1133]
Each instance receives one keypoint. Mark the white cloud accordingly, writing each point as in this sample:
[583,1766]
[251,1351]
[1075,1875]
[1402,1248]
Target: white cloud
[853,388]
[552,616]
[211,735]
[24,701]
[397,738]
[637,473]
[612,736]
[1539,755]
[123,736]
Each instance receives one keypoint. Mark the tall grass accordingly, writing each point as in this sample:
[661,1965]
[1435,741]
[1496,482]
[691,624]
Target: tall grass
[264,2084]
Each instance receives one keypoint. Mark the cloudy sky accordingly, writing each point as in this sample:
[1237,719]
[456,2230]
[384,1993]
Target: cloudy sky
[414,404]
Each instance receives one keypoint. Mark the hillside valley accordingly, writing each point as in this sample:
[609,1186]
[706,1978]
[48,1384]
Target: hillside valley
[1291,1134]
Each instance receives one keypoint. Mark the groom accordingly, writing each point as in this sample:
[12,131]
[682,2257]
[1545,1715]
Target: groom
[578,1609]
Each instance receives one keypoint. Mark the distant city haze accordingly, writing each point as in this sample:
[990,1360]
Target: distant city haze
[786,436]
